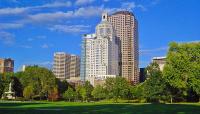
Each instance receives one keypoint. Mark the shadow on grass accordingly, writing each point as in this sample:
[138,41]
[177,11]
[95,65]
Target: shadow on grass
[104,109]
[13,105]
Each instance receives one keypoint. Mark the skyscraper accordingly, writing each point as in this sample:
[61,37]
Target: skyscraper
[6,65]
[66,66]
[100,53]
[126,27]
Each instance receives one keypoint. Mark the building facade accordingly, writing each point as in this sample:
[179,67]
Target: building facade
[66,66]
[142,75]
[126,27]
[161,61]
[100,53]
[6,65]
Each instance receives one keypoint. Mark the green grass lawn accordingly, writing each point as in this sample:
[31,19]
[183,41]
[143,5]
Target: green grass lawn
[97,108]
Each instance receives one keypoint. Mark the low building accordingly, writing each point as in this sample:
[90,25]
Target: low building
[161,61]
[6,65]
[101,79]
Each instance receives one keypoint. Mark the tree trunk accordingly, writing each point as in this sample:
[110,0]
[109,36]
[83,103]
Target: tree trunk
[171,99]
[199,99]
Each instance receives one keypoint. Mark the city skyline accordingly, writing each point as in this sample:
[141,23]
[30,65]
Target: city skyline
[30,32]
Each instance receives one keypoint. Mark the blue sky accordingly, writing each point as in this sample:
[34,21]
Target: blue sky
[32,30]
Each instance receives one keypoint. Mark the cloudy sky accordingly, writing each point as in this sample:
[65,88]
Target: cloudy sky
[32,30]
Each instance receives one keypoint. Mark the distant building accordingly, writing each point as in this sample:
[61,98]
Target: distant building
[23,68]
[73,67]
[100,55]
[126,26]
[161,61]
[101,79]
[142,75]
[6,65]
[66,66]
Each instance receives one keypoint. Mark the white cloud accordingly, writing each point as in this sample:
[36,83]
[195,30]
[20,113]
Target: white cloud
[10,25]
[132,5]
[49,17]
[70,28]
[11,11]
[55,4]
[26,46]
[41,37]
[46,63]
[45,46]
[23,10]
[83,2]
[155,2]
[105,0]
[150,51]
[143,8]
[84,12]
[6,37]
[128,5]
[88,11]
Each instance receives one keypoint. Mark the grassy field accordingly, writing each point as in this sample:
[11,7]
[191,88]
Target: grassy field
[97,108]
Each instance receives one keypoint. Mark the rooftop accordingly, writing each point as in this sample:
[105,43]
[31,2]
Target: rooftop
[156,58]
[123,12]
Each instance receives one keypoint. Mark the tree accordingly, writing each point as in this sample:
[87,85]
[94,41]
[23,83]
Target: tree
[1,86]
[117,88]
[28,92]
[87,91]
[182,70]
[99,92]
[69,94]
[53,94]
[41,79]
[154,86]
[137,91]
[62,86]
[83,93]
[17,87]
[79,92]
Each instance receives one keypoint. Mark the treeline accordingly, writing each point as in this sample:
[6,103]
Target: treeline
[178,82]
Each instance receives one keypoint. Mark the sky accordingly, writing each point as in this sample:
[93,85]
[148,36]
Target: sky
[32,30]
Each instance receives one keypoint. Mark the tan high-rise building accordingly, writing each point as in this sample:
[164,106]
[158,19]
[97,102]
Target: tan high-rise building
[73,67]
[6,65]
[66,66]
[126,27]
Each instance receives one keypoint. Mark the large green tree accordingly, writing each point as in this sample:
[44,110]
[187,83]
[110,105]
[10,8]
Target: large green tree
[28,92]
[62,86]
[70,94]
[117,88]
[88,87]
[182,70]
[42,81]
[99,92]
[85,91]
[1,85]
[154,86]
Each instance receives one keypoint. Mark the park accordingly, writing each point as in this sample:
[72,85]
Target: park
[97,108]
